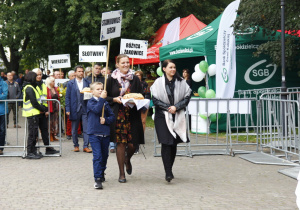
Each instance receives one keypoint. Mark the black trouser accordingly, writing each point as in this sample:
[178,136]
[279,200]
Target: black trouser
[168,154]
[12,106]
[43,125]
[33,126]
[2,131]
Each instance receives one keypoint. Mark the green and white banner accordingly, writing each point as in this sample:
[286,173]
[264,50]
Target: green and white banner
[226,55]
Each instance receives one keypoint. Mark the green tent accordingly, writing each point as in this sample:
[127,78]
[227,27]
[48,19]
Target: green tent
[192,46]
[252,72]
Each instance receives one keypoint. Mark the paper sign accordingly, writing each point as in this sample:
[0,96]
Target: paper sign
[134,48]
[59,82]
[111,25]
[59,61]
[92,53]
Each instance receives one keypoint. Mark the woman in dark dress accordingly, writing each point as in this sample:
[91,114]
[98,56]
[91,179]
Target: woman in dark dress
[186,76]
[127,130]
[170,94]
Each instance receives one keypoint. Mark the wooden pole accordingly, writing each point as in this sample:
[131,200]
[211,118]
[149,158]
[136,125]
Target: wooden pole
[59,72]
[105,76]
[132,63]
[107,59]
[92,72]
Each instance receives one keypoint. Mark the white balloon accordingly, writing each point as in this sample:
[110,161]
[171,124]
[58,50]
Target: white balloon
[197,68]
[153,117]
[212,69]
[198,76]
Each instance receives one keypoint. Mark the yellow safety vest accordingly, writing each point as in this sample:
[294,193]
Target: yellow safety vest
[28,109]
[43,94]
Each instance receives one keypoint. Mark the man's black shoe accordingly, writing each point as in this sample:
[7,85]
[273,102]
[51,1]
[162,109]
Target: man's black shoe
[51,151]
[38,154]
[98,184]
[69,137]
[32,156]
[80,136]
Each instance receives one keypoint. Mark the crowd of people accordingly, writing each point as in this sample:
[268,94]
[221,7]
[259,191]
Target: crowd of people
[103,121]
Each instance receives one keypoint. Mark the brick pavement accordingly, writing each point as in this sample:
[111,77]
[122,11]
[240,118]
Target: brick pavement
[201,182]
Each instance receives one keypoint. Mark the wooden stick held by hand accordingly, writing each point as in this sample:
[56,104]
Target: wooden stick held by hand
[105,76]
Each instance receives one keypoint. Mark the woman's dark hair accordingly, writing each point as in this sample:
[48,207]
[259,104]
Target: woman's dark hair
[165,64]
[30,77]
[187,72]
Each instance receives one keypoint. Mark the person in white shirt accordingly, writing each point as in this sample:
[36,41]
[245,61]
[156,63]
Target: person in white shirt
[76,108]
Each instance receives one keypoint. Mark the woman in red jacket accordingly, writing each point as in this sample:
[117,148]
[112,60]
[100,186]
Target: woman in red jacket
[52,93]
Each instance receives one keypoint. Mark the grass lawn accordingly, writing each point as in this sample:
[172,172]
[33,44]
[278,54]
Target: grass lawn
[222,135]
[149,122]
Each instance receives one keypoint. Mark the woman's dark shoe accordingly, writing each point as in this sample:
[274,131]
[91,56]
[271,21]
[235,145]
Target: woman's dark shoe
[122,180]
[172,176]
[128,166]
[169,178]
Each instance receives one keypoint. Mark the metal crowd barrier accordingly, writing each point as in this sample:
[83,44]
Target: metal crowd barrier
[16,141]
[201,143]
[256,93]
[251,121]
[279,125]
[237,136]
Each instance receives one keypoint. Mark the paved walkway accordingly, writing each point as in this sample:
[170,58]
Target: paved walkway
[201,182]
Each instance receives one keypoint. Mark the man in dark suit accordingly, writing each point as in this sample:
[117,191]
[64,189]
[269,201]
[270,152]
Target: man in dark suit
[76,107]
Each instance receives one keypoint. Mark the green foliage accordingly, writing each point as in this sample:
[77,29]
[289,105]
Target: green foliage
[149,122]
[33,29]
[266,16]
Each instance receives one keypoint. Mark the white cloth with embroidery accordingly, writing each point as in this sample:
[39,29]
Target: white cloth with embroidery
[138,103]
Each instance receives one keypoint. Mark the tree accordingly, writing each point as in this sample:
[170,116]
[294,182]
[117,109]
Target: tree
[21,22]
[265,15]
[141,19]
[33,29]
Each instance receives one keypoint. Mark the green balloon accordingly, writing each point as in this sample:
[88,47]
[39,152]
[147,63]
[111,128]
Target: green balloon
[203,65]
[202,91]
[213,117]
[159,71]
[203,116]
[210,94]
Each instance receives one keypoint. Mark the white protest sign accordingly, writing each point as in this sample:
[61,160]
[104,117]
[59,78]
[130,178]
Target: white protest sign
[59,82]
[134,48]
[111,25]
[59,61]
[92,53]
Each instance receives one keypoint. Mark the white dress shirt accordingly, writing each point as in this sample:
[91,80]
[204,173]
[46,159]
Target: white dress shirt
[80,84]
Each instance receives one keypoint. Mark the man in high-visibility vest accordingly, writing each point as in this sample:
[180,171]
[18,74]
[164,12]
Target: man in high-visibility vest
[43,125]
[32,109]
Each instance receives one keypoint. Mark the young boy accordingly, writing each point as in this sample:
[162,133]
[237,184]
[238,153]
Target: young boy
[98,130]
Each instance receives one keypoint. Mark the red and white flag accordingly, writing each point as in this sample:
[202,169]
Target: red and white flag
[172,32]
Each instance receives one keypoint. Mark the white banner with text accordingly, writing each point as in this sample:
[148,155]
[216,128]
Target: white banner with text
[92,53]
[134,48]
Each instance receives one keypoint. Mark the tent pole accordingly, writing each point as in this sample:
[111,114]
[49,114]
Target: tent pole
[283,83]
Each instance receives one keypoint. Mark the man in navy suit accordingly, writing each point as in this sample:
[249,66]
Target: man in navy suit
[76,107]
